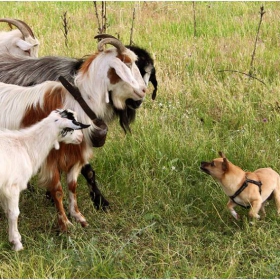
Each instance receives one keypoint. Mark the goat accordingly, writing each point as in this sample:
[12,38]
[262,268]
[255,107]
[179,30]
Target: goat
[145,63]
[31,71]
[20,41]
[22,153]
[109,81]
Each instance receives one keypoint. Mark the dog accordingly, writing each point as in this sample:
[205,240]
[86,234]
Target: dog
[247,189]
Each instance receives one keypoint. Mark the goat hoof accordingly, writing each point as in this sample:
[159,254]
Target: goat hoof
[103,205]
[64,227]
[17,247]
[99,202]
[84,224]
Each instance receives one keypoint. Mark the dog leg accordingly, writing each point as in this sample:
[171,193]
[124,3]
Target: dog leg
[230,206]
[256,205]
[276,194]
[263,210]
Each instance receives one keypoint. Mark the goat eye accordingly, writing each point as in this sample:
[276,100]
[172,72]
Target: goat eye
[66,130]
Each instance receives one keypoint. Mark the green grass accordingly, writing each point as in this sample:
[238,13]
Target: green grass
[167,218]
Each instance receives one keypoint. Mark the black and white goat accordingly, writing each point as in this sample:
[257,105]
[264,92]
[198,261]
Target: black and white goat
[145,63]
[109,82]
[22,153]
[20,41]
[32,71]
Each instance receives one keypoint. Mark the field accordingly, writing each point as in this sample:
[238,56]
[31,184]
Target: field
[167,218]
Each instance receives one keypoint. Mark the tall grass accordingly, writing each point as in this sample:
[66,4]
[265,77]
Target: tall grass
[167,218]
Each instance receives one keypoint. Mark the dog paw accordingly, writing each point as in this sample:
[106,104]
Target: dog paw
[235,215]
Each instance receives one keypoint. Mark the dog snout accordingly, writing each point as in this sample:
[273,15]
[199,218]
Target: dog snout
[203,166]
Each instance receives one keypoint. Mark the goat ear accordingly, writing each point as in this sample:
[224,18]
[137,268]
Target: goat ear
[23,45]
[77,125]
[81,125]
[123,72]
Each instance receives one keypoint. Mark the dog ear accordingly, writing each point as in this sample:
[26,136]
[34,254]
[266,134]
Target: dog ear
[225,164]
[225,161]
[222,154]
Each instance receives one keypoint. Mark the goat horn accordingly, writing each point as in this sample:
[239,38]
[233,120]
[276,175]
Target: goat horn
[22,26]
[103,36]
[112,41]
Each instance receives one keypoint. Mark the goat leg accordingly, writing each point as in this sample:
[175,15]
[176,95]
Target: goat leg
[95,194]
[57,196]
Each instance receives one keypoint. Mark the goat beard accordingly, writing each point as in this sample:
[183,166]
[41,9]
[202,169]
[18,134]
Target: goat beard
[126,117]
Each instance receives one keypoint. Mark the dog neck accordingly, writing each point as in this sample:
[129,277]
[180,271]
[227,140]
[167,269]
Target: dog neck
[233,179]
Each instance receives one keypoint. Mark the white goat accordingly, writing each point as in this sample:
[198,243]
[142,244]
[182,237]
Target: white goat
[22,153]
[20,41]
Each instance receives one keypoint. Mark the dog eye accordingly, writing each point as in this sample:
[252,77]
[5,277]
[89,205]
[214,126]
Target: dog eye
[212,163]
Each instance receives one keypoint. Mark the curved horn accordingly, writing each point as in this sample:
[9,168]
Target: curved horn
[103,36]
[28,28]
[112,41]
[22,26]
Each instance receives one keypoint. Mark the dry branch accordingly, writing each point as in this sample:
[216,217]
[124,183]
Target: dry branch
[102,23]
[66,28]
[251,70]
[132,26]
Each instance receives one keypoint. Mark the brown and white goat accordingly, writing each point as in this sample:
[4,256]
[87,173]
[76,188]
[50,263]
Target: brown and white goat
[109,80]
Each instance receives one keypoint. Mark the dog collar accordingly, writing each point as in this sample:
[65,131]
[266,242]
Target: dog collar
[243,187]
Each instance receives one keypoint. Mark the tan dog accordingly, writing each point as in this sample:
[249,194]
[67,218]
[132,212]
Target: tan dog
[247,189]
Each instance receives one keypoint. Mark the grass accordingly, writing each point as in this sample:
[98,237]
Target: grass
[167,218]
